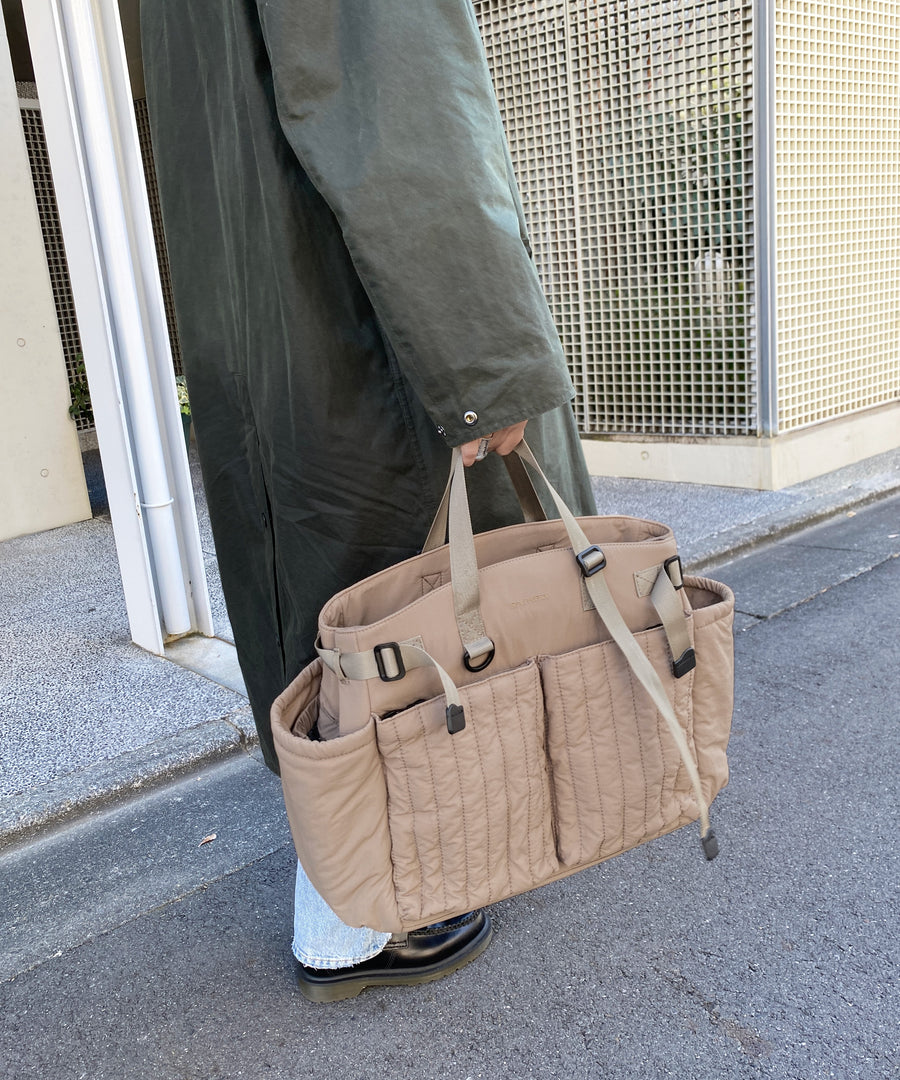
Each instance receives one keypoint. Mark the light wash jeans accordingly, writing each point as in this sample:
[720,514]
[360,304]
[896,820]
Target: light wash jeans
[321,940]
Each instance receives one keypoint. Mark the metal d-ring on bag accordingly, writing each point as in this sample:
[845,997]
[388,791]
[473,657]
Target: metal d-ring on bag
[504,710]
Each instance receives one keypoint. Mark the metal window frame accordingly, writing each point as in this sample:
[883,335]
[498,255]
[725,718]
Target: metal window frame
[765,222]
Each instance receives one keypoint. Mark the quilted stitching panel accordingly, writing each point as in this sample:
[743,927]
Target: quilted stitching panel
[616,772]
[470,814]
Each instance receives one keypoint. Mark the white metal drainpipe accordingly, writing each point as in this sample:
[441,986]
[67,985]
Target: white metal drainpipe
[156,500]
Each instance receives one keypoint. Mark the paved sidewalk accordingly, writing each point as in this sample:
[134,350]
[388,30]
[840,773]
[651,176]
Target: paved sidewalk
[132,948]
[86,715]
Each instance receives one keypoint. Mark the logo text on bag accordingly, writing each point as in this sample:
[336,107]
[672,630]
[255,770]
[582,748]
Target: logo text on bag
[530,599]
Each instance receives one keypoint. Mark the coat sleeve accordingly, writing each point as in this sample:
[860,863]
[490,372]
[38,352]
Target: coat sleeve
[389,108]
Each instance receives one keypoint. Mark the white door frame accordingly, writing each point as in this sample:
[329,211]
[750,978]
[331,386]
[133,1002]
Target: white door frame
[86,104]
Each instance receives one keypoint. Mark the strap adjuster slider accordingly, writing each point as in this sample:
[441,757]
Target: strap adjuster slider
[391,669]
[675,571]
[591,560]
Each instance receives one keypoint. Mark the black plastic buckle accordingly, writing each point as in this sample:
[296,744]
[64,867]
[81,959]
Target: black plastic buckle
[456,719]
[394,648]
[586,561]
[469,666]
[710,845]
[685,663]
[679,583]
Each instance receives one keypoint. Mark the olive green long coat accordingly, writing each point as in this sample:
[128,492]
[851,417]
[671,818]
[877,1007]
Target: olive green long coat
[353,285]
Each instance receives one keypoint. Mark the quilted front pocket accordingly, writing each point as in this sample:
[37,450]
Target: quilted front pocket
[617,775]
[470,814]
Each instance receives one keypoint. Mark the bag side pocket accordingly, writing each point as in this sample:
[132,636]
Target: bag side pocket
[470,813]
[713,605]
[617,776]
[337,808]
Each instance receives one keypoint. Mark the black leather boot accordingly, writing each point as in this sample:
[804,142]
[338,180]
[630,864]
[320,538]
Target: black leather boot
[420,956]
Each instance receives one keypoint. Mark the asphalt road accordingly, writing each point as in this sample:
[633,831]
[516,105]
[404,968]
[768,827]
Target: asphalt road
[131,949]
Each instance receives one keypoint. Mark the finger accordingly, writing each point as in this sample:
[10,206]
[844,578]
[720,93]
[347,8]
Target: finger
[469,452]
[506,440]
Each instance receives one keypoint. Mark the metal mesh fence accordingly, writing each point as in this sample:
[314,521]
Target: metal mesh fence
[631,130]
[837,160]
[51,231]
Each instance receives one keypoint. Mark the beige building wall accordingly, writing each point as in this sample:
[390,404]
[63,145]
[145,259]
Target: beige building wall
[42,481]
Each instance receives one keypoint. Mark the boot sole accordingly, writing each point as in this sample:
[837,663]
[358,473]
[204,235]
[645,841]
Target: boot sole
[353,985]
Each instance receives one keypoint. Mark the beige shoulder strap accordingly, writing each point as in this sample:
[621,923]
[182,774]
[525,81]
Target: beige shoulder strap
[590,559]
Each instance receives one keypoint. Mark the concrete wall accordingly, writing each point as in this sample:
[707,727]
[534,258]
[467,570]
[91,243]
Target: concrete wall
[42,481]
[767,464]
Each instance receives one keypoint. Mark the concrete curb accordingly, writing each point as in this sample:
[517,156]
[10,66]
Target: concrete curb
[742,539]
[122,777]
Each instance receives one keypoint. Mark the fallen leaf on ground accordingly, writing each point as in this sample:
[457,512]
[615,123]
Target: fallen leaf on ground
[207,839]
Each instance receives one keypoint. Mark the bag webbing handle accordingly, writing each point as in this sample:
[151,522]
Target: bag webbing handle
[529,501]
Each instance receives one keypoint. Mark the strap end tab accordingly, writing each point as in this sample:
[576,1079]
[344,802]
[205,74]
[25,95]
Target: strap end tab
[710,845]
[685,663]
[456,719]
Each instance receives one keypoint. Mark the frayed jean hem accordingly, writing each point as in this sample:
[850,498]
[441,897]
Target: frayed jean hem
[331,963]
[321,940]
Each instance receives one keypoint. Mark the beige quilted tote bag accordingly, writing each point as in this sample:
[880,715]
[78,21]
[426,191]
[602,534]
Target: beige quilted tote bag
[504,710]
